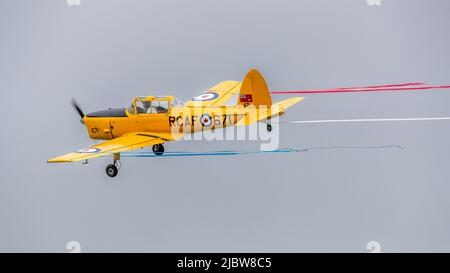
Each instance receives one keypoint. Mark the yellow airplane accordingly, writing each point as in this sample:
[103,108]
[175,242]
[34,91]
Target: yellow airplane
[152,121]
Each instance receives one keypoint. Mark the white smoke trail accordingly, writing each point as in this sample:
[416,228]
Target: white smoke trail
[366,120]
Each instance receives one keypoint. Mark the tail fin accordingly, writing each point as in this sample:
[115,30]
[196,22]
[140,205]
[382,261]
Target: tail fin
[254,90]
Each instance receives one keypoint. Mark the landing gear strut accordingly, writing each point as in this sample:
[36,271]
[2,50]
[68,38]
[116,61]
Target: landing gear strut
[158,149]
[269,125]
[113,169]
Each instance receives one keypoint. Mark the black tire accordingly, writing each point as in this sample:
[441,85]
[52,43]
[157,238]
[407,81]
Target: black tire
[111,170]
[269,128]
[158,149]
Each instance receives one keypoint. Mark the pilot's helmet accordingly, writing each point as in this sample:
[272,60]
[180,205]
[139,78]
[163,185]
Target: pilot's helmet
[146,104]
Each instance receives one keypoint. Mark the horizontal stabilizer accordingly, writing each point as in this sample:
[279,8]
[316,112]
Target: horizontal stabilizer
[257,114]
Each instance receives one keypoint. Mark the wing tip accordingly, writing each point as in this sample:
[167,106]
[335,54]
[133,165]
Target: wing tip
[57,160]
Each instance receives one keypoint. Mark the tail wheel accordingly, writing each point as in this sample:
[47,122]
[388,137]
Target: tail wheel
[158,149]
[111,170]
[269,127]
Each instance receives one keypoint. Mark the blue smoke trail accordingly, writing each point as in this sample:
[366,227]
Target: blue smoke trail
[233,153]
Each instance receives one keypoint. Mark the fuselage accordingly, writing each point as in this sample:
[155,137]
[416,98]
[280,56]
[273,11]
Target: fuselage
[113,123]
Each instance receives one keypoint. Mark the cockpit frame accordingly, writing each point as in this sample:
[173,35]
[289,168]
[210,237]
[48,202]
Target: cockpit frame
[151,105]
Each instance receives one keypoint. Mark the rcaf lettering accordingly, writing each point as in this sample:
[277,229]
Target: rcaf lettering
[180,121]
[172,120]
[217,120]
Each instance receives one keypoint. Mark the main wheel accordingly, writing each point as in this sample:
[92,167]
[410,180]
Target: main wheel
[111,170]
[269,127]
[158,149]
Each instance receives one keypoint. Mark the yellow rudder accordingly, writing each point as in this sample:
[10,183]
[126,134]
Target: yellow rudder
[254,90]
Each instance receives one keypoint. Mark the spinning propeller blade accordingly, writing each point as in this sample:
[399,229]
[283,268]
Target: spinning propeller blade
[77,108]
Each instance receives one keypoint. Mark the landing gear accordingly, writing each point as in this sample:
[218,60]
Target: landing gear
[158,149]
[113,169]
[269,125]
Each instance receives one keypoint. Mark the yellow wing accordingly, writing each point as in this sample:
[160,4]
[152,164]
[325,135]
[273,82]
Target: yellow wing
[126,142]
[253,115]
[217,95]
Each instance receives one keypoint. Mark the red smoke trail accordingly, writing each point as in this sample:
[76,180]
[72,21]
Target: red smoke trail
[370,89]
[383,86]
[365,87]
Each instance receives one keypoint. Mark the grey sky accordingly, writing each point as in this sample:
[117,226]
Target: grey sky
[105,52]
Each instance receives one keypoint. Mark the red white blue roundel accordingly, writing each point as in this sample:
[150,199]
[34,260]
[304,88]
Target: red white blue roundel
[206,96]
[89,151]
[206,120]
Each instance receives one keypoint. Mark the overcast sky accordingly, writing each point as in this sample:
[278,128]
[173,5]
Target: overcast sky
[105,52]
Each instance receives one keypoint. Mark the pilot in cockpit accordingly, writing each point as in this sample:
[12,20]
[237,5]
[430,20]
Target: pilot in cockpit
[147,107]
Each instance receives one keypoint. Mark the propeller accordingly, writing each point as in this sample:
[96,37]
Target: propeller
[77,108]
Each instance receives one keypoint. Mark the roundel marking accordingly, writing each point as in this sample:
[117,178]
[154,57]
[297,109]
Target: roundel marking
[206,120]
[206,96]
[89,151]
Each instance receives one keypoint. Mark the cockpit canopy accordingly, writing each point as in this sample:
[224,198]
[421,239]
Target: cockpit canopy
[152,105]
